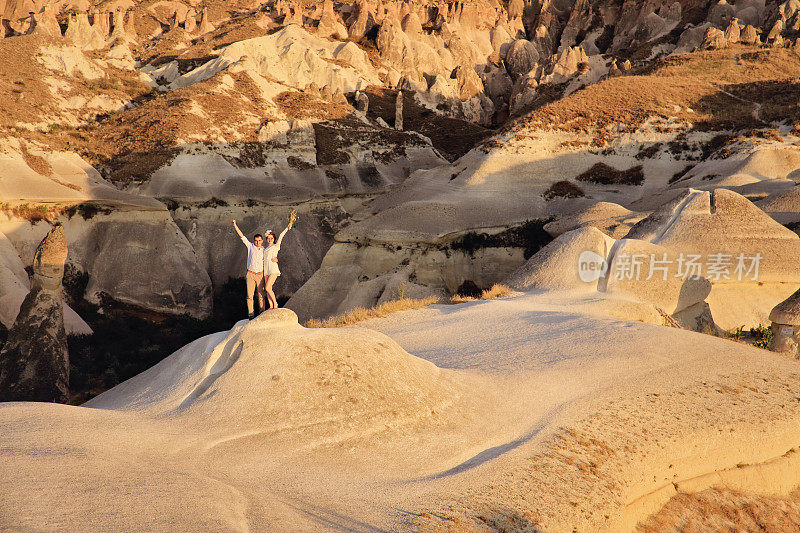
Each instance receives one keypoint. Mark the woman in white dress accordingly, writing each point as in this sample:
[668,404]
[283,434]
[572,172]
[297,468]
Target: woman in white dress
[271,270]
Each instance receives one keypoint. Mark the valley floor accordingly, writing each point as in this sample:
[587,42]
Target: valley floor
[541,413]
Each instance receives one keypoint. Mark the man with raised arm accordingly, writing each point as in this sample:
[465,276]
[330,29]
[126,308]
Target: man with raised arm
[255,270]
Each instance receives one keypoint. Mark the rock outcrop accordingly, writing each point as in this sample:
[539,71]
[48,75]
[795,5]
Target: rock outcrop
[785,318]
[746,255]
[398,111]
[34,362]
[616,272]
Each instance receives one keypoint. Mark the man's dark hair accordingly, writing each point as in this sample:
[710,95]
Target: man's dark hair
[258,235]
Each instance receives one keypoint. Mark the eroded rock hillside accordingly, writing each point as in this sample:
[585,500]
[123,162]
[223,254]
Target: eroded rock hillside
[423,144]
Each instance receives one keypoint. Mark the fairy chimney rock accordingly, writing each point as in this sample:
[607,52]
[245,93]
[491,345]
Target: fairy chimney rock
[34,362]
[785,318]
[362,102]
[398,112]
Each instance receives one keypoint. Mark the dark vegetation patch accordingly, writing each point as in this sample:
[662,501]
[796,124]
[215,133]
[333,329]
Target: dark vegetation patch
[251,155]
[31,212]
[300,164]
[172,204]
[338,179]
[604,174]
[38,163]
[715,144]
[386,145]
[86,210]
[74,282]
[606,38]
[329,139]
[370,177]
[679,144]
[678,176]
[649,152]
[530,236]
[770,134]
[450,136]
[212,203]
[563,189]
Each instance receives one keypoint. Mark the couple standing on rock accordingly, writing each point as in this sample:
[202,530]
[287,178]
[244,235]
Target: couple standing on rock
[262,265]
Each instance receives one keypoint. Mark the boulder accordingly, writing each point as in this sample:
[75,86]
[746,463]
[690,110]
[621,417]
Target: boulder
[329,23]
[412,25]
[721,14]
[776,30]
[190,25]
[34,362]
[785,318]
[733,32]
[645,272]
[713,39]
[205,25]
[691,38]
[363,21]
[14,287]
[586,261]
[521,58]
[123,272]
[362,102]
[515,9]
[722,236]
[749,35]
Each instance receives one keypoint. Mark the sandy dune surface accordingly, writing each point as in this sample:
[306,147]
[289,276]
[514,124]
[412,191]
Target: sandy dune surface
[529,410]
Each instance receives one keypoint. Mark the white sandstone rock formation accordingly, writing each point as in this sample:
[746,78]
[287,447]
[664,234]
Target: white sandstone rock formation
[295,58]
[747,256]
[587,261]
[612,219]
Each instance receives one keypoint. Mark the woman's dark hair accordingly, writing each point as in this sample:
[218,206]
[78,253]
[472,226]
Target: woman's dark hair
[258,235]
[274,237]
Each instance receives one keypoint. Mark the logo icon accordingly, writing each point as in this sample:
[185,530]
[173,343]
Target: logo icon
[591,266]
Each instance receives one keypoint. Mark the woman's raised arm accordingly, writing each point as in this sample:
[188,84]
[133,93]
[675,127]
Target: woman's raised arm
[280,237]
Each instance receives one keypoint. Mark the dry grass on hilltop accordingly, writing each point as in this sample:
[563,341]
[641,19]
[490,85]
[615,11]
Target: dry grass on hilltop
[712,89]
[26,93]
[726,510]
[360,314]
[495,291]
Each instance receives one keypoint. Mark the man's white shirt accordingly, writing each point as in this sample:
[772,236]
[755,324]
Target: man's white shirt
[255,256]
